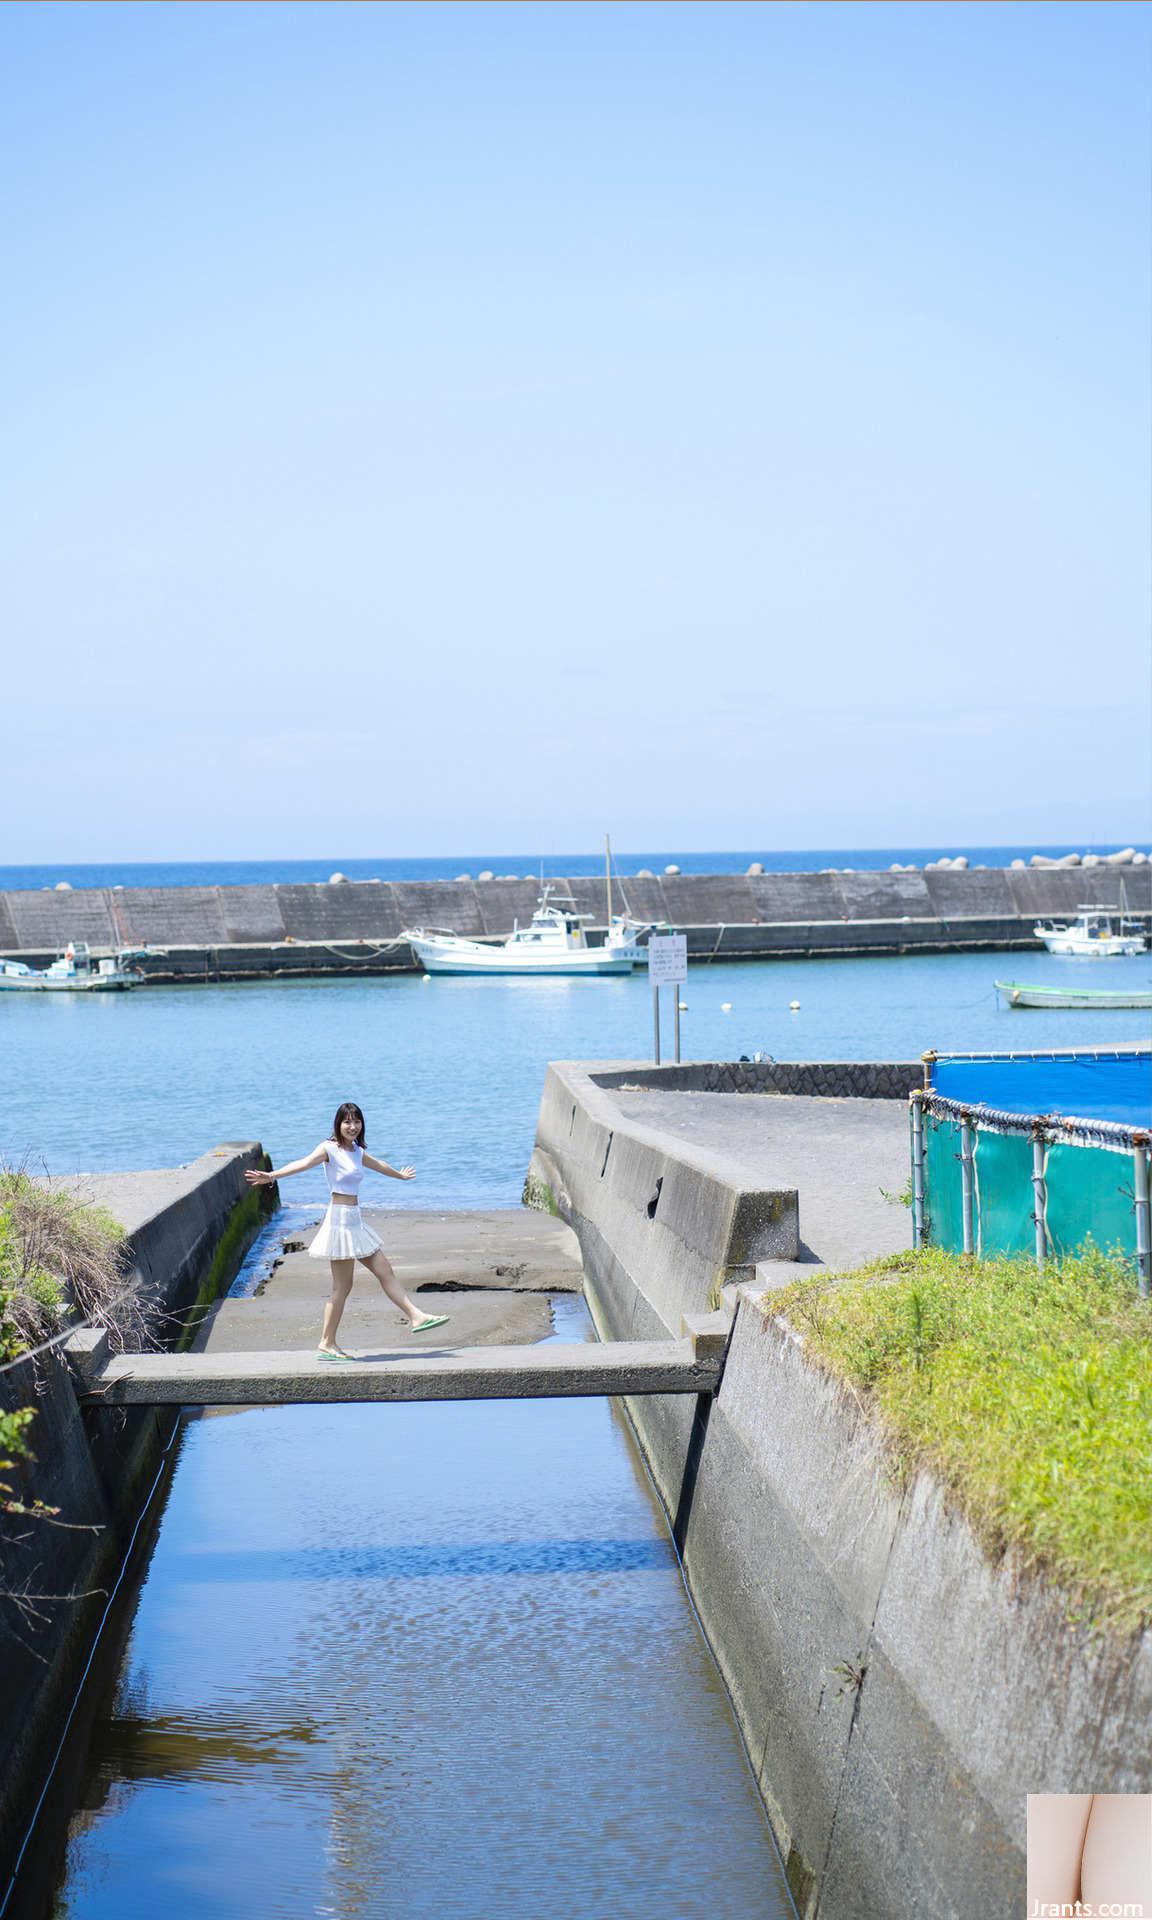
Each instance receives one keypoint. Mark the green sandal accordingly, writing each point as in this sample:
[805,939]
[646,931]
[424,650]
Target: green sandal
[323,1354]
[429,1321]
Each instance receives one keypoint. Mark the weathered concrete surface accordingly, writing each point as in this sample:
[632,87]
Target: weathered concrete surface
[556,1371]
[491,1270]
[96,1470]
[218,933]
[838,1079]
[501,1249]
[899,1693]
[839,1155]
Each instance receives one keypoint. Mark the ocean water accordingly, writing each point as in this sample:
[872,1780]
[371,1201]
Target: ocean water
[234,873]
[449,1071]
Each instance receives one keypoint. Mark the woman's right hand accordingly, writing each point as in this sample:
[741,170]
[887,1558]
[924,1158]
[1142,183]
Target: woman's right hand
[256,1178]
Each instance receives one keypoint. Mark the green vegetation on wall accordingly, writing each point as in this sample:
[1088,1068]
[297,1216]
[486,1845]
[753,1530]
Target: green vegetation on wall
[243,1224]
[1027,1393]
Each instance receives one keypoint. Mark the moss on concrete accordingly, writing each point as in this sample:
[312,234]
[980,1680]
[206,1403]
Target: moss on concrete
[243,1224]
[1027,1394]
[539,1196]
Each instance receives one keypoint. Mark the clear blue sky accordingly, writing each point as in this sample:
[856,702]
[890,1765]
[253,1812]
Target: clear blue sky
[491,424]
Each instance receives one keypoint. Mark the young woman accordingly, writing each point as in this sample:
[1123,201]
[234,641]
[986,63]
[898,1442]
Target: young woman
[343,1239]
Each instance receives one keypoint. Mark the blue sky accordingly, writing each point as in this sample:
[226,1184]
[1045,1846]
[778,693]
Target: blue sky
[496,424]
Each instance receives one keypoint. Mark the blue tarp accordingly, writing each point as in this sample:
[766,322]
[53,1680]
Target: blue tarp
[1091,1086]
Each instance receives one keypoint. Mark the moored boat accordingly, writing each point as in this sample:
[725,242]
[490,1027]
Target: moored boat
[1086,999]
[1097,933]
[76,970]
[553,943]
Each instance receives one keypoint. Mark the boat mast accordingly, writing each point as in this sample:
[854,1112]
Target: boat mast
[608,879]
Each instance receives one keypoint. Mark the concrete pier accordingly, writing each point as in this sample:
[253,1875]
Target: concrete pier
[901,1689]
[207,934]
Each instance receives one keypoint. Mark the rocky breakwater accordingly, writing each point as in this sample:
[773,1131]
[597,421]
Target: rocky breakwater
[900,1691]
[231,933]
[186,1229]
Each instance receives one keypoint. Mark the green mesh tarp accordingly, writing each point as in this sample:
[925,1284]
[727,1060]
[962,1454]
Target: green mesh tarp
[942,1189]
[1089,1193]
[1005,1197]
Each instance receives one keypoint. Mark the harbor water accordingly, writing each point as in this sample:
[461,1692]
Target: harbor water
[449,1071]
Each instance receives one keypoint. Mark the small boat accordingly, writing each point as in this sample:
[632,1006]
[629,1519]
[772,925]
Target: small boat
[554,942]
[1084,998]
[1097,933]
[76,970]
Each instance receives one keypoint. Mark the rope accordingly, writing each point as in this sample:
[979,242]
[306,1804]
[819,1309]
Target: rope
[1055,1126]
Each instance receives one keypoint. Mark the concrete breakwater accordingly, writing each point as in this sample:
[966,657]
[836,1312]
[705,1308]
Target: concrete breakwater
[186,1229]
[899,1693]
[233,933]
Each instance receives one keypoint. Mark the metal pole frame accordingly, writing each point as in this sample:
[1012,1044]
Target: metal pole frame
[1143,1218]
[676,1022]
[1039,1194]
[968,1184]
[916,1117]
[656,1023]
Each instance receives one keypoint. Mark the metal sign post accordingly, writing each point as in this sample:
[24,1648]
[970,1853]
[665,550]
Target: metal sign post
[667,967]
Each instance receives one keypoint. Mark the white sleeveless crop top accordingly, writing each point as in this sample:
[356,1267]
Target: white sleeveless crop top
[344,1167]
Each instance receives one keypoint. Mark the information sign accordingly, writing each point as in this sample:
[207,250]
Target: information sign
[668,959]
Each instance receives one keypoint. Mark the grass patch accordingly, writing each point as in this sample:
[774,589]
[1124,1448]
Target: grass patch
[1028,1394]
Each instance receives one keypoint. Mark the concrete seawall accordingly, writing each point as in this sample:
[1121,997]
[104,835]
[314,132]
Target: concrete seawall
[900,1695]
[232,933]
[97,1467]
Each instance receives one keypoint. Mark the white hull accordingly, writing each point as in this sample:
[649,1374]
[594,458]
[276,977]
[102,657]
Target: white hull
[464,957]
[1084,999]
[1112,947]
[37,983]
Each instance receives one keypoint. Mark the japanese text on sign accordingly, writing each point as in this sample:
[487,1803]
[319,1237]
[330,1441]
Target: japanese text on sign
[668,959]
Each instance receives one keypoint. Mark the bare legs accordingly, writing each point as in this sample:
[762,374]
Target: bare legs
[337,1301]
[381,1269]
[378,1264]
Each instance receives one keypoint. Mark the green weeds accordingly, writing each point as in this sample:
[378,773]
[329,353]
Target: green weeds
[1027,1393]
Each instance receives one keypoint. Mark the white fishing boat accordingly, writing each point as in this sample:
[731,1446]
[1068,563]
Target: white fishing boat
[1084,999]
[76,970]
[554,942]
[1097,933]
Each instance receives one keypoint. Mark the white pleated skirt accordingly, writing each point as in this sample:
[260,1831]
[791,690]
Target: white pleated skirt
[343,1235]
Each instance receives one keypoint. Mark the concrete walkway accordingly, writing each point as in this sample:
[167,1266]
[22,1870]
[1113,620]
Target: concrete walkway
[491,1271]
[837,1154]
[556,1371]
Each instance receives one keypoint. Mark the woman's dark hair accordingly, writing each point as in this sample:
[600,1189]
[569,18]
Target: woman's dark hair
[347,1110]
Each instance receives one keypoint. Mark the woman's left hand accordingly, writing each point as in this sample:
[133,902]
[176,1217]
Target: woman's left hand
[405,1173]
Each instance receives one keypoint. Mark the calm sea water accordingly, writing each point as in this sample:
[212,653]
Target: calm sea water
[449,1071]
[234,873]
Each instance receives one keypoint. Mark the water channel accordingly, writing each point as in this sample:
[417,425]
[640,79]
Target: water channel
[415,1660]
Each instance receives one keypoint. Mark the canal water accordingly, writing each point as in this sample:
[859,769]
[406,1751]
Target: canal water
[416,1660]
[427,1659]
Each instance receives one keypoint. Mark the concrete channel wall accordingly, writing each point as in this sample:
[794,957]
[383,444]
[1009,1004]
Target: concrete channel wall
[98,1467]
[218,933]
[900,1695]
